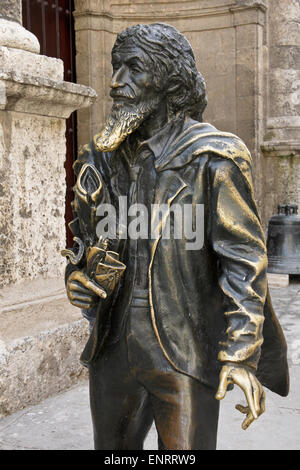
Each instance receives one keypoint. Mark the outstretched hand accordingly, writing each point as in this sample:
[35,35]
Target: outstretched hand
[253,390]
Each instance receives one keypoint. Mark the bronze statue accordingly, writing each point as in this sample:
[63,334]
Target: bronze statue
[173,327]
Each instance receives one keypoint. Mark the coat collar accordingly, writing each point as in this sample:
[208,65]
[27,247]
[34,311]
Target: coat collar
[158,144]
[181,141]
[196,139]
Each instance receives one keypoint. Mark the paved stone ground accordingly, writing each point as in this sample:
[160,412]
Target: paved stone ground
[63,422]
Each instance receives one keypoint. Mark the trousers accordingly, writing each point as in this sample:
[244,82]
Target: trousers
[132,384]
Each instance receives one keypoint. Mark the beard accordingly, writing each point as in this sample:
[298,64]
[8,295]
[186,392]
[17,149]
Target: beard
[122,121]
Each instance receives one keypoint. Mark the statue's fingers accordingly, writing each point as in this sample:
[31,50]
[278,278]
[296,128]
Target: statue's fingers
[249,418]
[262,402]
[223,383]
[247,421]
[76,286]
[247,388]
[256,394]
[86,282]
[76,276]
[242,409]
[96,289]
[81,297]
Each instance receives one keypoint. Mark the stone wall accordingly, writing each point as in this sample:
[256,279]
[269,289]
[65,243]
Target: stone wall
[41,334]
[248,52]
[34,105]
[281,140]
[32,229]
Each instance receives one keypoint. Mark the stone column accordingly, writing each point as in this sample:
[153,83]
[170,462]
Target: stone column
[94,41]
[11,10]
[281,146]
[41,333]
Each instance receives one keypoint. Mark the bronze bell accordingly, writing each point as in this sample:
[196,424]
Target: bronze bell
[283,243]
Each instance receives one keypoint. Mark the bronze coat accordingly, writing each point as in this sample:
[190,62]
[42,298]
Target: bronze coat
[208,306]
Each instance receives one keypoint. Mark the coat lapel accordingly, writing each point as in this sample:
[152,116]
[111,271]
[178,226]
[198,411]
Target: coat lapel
[169,186]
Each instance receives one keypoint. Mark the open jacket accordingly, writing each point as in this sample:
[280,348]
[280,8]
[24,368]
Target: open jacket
[209,306]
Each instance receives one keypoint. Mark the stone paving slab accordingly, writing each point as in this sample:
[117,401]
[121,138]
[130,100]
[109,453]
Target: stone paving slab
[63,422]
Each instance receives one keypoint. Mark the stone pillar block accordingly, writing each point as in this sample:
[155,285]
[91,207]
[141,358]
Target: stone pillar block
[41,333]
[34,104]
[281,141]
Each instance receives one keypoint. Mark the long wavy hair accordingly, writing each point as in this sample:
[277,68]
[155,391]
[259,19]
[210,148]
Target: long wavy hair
[172,61]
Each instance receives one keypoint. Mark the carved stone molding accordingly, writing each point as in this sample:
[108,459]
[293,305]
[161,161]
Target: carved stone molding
[13,35]
[31,83]
[281,149]
[34,103]
[43,97]
[108,17]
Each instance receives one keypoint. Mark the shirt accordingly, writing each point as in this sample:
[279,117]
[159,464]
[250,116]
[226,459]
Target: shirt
[140,161]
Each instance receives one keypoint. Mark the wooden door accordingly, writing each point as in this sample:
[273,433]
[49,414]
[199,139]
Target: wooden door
[51,21]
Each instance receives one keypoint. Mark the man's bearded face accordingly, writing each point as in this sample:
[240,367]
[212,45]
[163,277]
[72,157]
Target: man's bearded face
[133,94]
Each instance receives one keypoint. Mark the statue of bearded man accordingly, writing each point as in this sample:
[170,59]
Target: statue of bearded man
[173,333]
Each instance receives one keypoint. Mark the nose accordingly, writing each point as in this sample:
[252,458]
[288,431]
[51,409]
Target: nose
[119,78]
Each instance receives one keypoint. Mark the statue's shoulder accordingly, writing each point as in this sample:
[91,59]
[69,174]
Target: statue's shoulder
[204,138]
[225,150]
[196,139]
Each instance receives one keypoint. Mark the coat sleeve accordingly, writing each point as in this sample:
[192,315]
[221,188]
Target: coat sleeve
[238,241]
[87,154]
[80,225]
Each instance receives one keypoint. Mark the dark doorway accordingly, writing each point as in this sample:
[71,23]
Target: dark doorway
[51,21]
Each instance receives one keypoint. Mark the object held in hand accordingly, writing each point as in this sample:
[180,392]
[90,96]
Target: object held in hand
[104,266]
[99,262]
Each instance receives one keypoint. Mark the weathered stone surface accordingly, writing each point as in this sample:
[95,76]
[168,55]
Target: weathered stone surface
[284,16]
[288,56]
[24,63]
[13,35]
[278,280]
[31,83]
[41,339]
[33,197]
[42,96]
[281,139]
[41,333]
[11,10]
[284,61]
[35,102]
[286,88]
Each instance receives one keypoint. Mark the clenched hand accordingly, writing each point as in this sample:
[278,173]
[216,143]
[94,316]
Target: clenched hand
[82,291]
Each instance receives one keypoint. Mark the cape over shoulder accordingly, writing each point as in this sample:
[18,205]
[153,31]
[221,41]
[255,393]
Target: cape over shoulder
[198,138]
